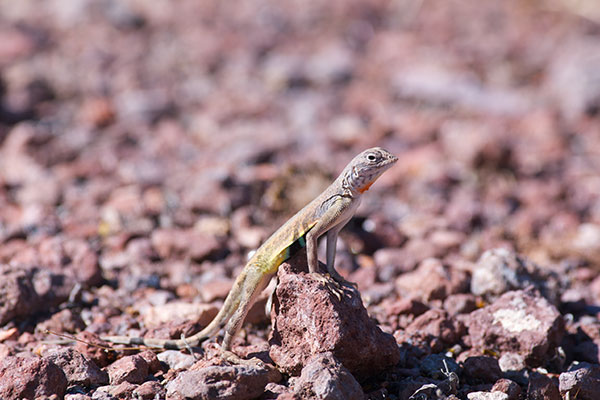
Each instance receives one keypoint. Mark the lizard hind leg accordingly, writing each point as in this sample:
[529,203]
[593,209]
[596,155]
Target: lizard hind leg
[250,290]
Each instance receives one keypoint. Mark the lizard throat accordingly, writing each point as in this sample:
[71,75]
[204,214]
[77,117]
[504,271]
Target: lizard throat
[365,188]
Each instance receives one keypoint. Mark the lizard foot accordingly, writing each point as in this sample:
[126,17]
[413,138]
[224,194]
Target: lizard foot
[341,280]
[333,285]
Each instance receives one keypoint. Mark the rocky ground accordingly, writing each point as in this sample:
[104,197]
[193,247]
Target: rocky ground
[147,147]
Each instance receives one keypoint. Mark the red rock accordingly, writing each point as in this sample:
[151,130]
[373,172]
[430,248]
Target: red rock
[15,44]
[97,112]
[63,321]
[123,390]
[26,290]
[132,369]
[435,328]
[239,382]
[324,377]
[580,381]
[520,322]
[152,360]
[177,311]
[18,294]
[177,242]
[96,351]
[307,319]
[542,387]
[481,369]
[431,280]
[77,369]
[215,289]
[30,377]
[407,306]
[74,257]
[150,390]
[508,387]
[9,334]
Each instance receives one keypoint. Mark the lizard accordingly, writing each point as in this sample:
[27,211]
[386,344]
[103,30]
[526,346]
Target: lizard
[327,214]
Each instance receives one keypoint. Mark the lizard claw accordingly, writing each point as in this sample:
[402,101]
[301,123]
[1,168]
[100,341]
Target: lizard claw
[341,280]
[333,285]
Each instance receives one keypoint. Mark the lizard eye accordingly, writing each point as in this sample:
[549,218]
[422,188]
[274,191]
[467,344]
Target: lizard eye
[371,157]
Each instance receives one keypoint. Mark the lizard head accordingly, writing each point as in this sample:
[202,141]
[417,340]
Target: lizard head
[366,167]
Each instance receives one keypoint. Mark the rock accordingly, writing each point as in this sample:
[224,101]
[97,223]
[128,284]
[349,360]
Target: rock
[74,258]
[324,377]
[176,360]
[77,396]
[481,369]
[511,362]
[435,328]
[203,314]
[178,242]
[431,280]
[133,369]
[500,270]
[508,387]
[236,382]
[17,292]
[542,387]
[572,79]
[77,368]
[152,360]
[99,355]
[521,322]
[150,390]
[30,377]
[215,289]
[581,381]
[407,306]
[63,321]
[308,319]
[420,388]
[460,303]
[26,290]
[487,396]
[121,391]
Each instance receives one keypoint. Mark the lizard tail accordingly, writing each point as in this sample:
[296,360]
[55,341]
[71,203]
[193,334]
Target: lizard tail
[212,329]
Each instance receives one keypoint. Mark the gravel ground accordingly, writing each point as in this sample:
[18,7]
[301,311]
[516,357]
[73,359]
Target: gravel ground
[147,147]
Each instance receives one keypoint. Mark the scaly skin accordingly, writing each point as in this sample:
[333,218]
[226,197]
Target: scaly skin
[328,213]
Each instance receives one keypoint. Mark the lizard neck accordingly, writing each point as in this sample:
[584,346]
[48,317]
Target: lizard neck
[351,183]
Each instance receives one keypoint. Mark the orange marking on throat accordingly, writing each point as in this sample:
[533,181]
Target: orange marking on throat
[365,188]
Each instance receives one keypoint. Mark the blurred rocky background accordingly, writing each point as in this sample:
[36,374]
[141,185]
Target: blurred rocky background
[147,146]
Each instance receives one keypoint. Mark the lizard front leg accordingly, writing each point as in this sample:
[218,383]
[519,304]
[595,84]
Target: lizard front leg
[331,250]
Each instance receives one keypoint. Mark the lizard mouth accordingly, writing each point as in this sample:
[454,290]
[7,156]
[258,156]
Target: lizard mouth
[391,160]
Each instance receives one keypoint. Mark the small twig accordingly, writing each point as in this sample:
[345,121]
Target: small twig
[188,347]
[99,346]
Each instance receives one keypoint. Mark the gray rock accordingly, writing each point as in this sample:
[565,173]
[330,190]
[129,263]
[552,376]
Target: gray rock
[77,368]
[324,377]
[175,359]
[500,270]
[236,382]
[581,381]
